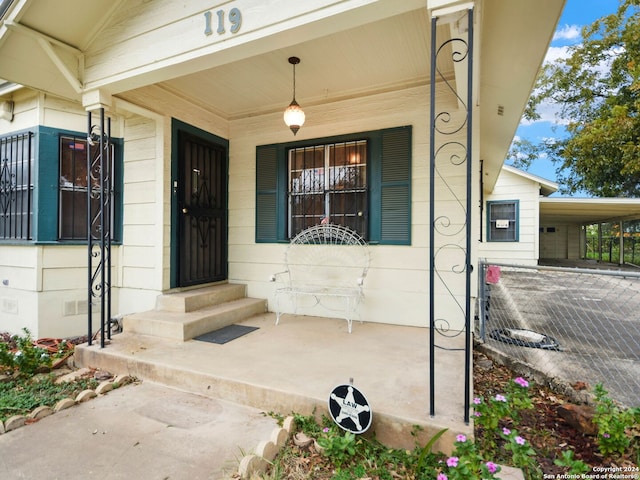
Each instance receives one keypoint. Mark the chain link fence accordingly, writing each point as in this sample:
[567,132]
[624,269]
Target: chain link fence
[578,327]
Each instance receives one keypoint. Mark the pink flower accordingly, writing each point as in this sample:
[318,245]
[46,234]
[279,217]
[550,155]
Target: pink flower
[506,431]
[325,429]
[492,467]
[477,400]
[461,438]
[522,382]
[452,462]
[520,440]
[500,398]
[442,476]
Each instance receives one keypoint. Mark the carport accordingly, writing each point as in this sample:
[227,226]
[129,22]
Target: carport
[562,235]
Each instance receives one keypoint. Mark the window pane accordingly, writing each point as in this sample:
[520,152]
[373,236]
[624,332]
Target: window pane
[347,208]
[347,164]
[328,182]
[504,234]
[73,188]
[73,162]
[505,211]
[73,219]
[307,180]
[16,186]
[306,210]
[502,221]
[309,157]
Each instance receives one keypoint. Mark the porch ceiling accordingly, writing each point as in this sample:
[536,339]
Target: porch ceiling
[585,211]
[389,54]
[376,47]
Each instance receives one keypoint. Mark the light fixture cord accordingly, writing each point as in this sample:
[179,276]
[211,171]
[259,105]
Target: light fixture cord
[294,81]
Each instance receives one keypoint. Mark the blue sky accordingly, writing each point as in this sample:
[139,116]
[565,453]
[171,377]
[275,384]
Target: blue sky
[576,14]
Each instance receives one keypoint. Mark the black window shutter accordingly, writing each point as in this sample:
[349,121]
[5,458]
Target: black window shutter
[395,187]
[267,193]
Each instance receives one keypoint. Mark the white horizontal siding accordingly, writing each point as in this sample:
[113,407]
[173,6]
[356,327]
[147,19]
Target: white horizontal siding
[527,192]
[145,215]
[397,285]
[26,113]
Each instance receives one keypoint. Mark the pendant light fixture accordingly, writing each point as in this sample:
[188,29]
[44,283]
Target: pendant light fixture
[293,115]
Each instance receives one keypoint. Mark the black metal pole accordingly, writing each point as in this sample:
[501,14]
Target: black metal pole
[102,230]
[468,359]
[89,236]
[109,187]
[29,187]
[432,136]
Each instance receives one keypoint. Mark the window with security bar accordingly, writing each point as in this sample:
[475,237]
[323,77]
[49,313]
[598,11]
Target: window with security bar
[503,221]
[73,186]
[328,184]
[16,186]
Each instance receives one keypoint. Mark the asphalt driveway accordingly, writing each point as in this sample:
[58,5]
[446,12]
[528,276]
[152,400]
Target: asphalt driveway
[594,318]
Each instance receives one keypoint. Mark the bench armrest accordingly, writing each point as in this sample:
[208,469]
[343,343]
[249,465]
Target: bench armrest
[274,276]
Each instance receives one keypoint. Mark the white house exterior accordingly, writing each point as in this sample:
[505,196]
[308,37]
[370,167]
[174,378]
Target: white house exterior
[512,229]
[171,76]
[524,225]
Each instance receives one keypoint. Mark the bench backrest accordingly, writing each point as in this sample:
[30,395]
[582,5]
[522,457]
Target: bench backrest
[327,255]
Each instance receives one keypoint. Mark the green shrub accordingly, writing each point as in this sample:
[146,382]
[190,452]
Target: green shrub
[614,424]
[21,356]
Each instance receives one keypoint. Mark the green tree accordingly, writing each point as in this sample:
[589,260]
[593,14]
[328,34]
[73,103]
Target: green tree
[597,91]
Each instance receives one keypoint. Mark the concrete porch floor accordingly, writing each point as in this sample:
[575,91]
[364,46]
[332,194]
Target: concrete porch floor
[294,366]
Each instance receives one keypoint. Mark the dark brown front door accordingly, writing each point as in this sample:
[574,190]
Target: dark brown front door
[202,210]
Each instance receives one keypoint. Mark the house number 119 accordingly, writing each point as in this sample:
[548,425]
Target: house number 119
[235,19]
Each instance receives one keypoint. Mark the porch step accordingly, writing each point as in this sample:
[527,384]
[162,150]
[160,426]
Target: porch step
[192,300]
[185,315]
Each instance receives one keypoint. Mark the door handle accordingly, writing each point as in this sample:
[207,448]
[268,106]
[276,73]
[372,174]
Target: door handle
[185,210]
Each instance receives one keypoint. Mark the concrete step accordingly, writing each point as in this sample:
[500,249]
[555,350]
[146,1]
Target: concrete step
[182,326]
[191,300]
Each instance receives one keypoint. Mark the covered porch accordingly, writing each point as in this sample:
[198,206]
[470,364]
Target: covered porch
[293,367]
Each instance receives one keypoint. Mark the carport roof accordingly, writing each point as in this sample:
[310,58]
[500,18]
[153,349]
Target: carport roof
[586,211]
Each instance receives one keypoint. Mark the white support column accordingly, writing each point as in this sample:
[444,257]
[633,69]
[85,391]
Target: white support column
[621,261]
[97,99]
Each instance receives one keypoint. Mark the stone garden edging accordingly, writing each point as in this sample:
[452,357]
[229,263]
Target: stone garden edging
[267,450]
[17,421]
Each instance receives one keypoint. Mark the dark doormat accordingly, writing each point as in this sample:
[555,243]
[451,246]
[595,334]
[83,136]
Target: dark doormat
[226,334]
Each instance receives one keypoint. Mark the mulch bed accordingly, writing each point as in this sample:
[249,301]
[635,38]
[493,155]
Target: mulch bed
[549,433]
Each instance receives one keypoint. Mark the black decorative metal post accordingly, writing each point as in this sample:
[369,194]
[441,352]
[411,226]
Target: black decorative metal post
[450,142]
[99,223]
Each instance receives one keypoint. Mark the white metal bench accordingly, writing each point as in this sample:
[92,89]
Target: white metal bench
[325,261]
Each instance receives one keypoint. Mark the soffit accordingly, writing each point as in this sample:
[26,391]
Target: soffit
[585,211]
[385,55]
[81,20]
[514,39]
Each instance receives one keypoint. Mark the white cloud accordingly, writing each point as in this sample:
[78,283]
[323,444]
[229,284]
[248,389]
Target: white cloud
[549,113]
[555,53]
[567,32]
